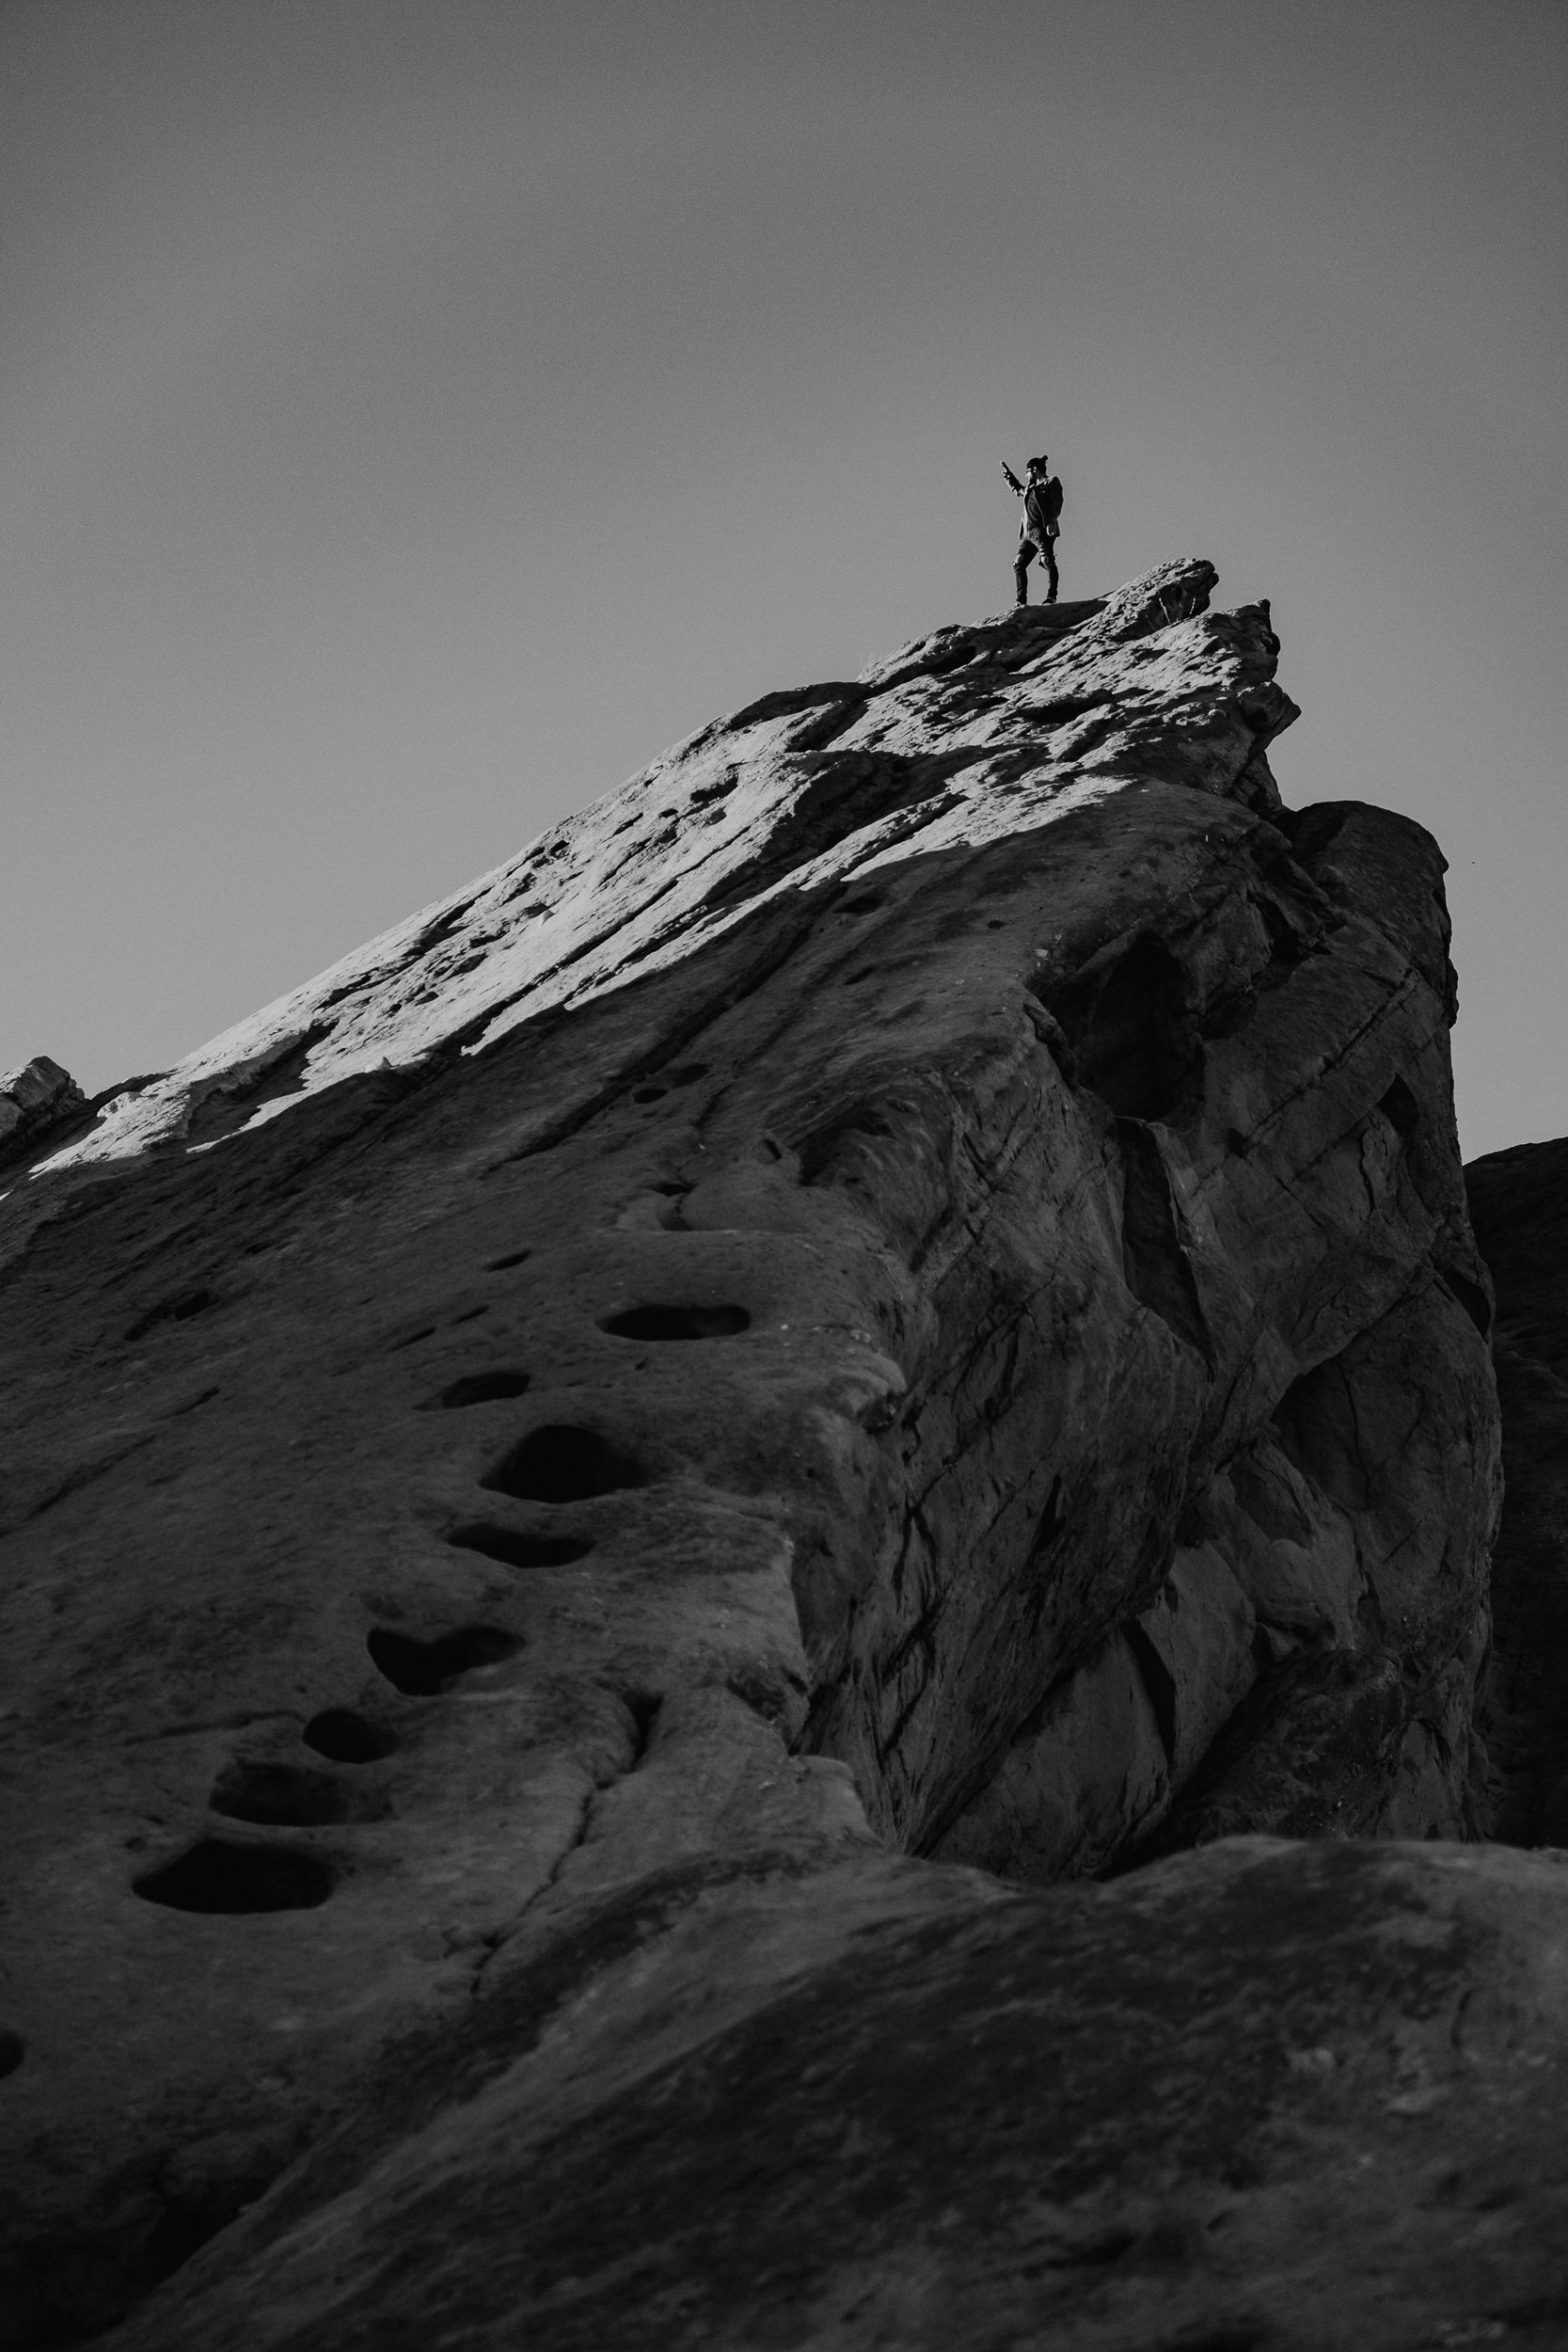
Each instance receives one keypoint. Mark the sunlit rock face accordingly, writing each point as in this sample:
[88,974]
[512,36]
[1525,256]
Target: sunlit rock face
[895,1294]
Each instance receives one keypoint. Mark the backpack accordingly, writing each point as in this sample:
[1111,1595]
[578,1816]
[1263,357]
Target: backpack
[1053,497]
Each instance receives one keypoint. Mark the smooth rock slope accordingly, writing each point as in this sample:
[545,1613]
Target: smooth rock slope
[898,1294]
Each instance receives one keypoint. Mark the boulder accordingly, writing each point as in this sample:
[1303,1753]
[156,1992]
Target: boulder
[35,1100]
[697,1443]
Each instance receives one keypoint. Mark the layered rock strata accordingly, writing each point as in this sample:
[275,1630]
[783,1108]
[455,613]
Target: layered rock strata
[899,1288]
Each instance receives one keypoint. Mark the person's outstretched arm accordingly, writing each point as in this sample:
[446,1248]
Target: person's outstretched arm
[1013,482]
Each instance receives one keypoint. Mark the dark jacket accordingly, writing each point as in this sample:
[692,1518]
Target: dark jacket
[1042,503]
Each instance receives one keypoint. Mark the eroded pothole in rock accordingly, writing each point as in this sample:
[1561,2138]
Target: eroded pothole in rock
[677,1323]
[561,1463]
[346,1738]
[423,1670]
[213,1876]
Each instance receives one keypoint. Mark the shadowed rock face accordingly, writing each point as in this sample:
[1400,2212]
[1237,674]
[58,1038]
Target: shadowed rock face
[35,1103]
[900,1288]
[1267,2095]
[1519,1200]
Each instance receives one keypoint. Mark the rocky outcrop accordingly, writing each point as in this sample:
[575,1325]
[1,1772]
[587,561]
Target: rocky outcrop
[35,1102]
[896,1295]
[1267,2095]
[1519,1202]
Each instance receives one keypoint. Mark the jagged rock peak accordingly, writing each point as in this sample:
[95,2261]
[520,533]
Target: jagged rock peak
[968,735]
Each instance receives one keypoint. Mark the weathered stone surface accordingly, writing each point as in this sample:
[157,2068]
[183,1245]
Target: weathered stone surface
[1519,1200]
[1269,2095]
[901,1287]
[34,1101]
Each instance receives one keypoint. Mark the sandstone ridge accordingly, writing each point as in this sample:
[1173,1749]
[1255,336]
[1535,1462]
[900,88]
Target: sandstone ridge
[688,1550]
[804,785]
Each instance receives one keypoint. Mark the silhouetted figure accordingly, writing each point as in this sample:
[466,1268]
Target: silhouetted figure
[1038,531]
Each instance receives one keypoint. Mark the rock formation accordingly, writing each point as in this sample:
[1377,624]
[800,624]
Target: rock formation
[35,1102]
[1519,1200]
[895,1296]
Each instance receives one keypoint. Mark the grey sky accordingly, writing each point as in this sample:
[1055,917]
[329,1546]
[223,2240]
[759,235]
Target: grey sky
[415,414]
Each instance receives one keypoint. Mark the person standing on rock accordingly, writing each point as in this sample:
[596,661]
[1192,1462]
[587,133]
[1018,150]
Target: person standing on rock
[1040,527]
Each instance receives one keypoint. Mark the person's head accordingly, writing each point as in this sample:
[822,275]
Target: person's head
[1038,464]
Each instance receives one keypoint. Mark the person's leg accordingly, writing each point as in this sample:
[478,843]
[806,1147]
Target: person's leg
[1049,551]
[1021,568]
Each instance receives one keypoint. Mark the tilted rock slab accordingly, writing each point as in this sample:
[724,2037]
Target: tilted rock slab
[898,1288]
